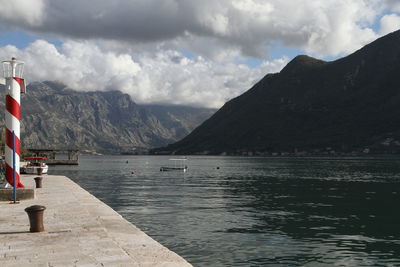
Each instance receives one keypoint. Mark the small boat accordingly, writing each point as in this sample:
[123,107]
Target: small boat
[178,166]
[36,165]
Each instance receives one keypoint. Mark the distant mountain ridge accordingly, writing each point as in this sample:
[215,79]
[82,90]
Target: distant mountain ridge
[351,105]
[54,116]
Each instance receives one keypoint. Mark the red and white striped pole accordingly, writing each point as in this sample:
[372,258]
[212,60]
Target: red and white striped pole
[14,84]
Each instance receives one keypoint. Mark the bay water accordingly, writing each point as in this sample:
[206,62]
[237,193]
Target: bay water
[250,211]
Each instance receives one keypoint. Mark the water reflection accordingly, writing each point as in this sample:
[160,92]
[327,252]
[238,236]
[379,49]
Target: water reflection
[257,211]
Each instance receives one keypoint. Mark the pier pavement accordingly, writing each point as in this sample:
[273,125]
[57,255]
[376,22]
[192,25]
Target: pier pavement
[80,230]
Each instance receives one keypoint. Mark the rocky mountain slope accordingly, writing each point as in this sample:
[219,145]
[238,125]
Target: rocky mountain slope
[54,116]
[351,105]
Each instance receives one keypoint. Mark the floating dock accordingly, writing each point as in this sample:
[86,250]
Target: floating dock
[80,230]
[51,154]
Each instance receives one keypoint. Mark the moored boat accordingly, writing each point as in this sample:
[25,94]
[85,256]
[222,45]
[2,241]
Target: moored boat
[178,166]
[36,165]
[165,169]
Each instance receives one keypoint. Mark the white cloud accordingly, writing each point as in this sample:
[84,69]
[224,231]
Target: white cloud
[22,12]
[389,23]
[163,77]
[181,51]
[320,27]
[394,5]
[338,28]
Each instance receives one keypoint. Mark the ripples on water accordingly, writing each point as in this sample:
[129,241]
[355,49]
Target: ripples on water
[257,211]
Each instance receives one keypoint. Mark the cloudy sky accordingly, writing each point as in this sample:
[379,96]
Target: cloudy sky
[192,52]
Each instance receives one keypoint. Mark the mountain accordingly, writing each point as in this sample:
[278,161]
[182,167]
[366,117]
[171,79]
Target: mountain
[350,105]
[54,116]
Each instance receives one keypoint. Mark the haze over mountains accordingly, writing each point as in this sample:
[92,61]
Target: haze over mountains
[351,105]
[54,116]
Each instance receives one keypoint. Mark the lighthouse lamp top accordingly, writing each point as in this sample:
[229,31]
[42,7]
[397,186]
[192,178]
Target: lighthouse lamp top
[13,68]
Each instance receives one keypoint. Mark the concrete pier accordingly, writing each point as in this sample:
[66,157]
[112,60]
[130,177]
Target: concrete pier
[80,230]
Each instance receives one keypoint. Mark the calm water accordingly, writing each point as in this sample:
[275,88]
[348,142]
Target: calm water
[257,211]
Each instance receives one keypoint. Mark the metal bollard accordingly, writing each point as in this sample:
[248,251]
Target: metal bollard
[38,181]
[35,214]
[39,171]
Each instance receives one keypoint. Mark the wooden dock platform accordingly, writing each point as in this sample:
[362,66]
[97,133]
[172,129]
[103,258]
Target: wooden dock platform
[80,230]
